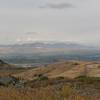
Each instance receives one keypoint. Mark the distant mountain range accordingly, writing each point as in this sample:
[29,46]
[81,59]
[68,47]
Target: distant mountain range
[48,44]
[46,51]
[46,47]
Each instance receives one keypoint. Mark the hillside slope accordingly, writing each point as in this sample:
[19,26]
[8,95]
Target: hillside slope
[64,69]
[4,65]
[7,69]
[69,69]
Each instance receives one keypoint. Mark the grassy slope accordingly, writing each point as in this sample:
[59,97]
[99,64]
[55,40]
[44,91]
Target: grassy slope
[70,69]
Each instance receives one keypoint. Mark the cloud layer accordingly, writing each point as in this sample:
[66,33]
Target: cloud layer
[74,20]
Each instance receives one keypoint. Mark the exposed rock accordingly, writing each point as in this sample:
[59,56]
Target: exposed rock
[5,81]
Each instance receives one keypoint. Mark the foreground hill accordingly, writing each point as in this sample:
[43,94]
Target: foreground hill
[65,80]
[68,69]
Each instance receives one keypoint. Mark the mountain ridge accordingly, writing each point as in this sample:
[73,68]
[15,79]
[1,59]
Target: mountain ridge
[50,43]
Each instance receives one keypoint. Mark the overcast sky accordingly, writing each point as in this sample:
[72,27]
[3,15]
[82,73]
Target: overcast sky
[54,20]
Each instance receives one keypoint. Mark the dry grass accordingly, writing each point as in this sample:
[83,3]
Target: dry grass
[69,69]
[43,90]
[51,71]
[48,93]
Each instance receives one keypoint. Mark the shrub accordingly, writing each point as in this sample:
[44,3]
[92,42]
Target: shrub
[99,66]
[75,63]
[60,78]
[42,77]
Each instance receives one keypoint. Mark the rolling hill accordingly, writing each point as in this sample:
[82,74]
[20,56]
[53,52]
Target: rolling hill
[68,69]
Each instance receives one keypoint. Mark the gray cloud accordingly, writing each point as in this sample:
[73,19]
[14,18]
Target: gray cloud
[58,6]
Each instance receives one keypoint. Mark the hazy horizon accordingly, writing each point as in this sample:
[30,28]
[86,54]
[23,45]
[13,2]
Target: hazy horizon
[50,20]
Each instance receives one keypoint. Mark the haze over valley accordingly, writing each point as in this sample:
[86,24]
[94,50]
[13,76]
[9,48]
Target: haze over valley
[44,52]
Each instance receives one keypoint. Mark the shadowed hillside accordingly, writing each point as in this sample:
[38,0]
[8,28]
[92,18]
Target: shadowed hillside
[7,69]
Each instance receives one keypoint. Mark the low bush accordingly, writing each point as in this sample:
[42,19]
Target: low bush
[42,77]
